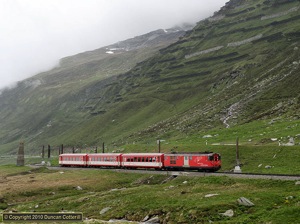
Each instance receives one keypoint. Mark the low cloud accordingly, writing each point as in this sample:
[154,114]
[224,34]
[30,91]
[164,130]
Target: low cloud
[35,34]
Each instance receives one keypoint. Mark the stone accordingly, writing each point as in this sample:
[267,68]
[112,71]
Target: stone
[146,218]
[104,210]
[237,169]
[78,188]
[245,202]
[297,183]
[210,195]
[153,220]
[228,213]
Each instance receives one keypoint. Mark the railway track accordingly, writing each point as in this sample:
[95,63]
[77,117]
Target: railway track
[189,173]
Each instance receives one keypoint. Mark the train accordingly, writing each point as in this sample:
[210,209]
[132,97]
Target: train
[204,161]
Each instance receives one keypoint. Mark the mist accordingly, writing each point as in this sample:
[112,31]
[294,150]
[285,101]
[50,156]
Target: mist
[35,34]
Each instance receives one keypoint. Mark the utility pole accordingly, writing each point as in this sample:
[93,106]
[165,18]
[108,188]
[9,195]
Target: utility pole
[237,152]
[49,148]
[237,168]
[158,142]
[43,152]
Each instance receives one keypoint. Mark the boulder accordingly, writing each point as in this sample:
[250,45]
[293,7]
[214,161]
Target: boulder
[210,195]
[228,213]
[78,188]
[104,210]
[244,201]
[154,220]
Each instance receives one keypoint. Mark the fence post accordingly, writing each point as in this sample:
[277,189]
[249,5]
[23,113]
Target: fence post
[43,152]
[49,154]
[20,159]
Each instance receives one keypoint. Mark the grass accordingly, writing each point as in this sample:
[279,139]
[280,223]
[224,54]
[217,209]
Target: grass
[134,196]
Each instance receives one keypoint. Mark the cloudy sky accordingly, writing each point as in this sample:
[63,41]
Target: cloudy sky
[35,34]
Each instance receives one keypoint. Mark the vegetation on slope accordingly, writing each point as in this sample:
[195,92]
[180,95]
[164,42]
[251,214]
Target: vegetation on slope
[136,196]
[236,68]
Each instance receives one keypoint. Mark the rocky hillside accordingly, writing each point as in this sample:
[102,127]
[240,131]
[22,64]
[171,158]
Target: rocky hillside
[42,108]
[236,67]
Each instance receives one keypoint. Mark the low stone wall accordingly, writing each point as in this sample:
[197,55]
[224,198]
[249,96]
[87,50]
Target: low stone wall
[279,14]
[238,43]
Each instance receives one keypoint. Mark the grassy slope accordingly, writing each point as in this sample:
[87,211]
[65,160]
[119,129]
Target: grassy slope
[180,200]
[59,100]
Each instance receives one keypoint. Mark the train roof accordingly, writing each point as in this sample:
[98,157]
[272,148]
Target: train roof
[73,154]
[143,154]
[190,153]
[105,154]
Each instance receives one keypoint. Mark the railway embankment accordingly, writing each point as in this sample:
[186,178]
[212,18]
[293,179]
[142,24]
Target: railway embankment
[140,197]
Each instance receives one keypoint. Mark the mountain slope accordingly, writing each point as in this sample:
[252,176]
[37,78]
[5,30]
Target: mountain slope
[53,102]
[236,67]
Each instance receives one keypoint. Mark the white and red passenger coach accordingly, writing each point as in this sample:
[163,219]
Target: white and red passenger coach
[104,160]
[143,160]
[206,161]
[77,159]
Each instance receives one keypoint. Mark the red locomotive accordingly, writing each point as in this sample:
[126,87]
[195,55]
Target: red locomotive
[207,161]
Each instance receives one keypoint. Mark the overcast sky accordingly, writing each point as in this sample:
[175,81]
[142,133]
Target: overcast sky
[35,34]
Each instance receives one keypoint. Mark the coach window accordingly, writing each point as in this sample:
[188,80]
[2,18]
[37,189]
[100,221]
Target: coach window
[191,157]
[172,159]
